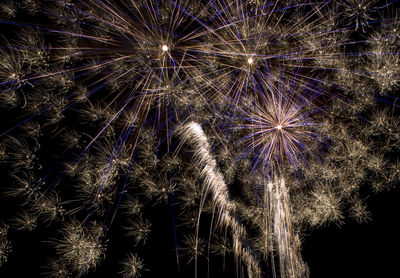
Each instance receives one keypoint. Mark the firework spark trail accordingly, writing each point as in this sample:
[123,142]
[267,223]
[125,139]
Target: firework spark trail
[215,184]
[279,221]
[278,214]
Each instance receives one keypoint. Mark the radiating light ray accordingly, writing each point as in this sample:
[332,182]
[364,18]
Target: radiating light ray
[280,131]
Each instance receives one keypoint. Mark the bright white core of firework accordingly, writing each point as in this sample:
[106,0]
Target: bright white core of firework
[164,48]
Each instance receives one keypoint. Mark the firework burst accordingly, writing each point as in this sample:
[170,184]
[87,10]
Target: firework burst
[280,124]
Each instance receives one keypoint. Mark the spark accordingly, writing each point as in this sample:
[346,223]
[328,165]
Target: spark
[164,48]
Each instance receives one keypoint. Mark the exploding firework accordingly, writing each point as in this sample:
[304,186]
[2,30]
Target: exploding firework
[238,125]
[280,128]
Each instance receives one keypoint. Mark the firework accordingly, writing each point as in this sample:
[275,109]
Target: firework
[247,123]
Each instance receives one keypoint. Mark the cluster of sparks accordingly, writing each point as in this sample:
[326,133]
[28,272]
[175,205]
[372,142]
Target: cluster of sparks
[174,102]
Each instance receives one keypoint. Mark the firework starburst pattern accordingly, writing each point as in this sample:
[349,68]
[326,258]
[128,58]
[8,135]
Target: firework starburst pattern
[245,124]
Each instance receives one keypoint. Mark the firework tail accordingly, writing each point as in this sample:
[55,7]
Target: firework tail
[214,183]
